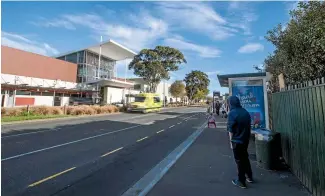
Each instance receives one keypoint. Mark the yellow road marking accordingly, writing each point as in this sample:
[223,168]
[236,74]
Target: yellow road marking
[112,152]
[160,131]
[139,140]
[50,177]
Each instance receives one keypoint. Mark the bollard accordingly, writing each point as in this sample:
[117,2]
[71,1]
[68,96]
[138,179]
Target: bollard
[27,109]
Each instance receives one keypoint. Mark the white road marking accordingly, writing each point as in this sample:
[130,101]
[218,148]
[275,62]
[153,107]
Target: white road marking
[160,131]
[111,152]
[68,143]
[147,182]
[172,126]
[179,123]
[139,140]
[3,137]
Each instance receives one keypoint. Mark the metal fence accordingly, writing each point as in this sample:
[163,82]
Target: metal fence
[298,113]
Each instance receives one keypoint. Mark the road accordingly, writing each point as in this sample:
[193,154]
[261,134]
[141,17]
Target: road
[103,155]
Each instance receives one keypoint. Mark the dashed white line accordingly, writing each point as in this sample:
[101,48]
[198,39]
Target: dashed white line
[68,143]
[160,131]
[139,140]
[112,152]
[172,126]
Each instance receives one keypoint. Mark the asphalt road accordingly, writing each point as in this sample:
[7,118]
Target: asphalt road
[91,156]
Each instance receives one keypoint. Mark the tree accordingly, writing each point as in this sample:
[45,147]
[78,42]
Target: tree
[201,94]
[196,81]
[300,47]
[177,89]
[153,65]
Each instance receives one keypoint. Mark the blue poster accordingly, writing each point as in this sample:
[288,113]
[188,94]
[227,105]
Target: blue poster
[251,96]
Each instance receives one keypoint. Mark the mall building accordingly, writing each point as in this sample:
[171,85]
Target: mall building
[90,73]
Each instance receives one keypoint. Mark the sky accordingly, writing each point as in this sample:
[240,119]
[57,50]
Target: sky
[215,37]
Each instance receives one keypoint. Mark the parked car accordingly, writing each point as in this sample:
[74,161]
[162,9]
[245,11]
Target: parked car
[81,101]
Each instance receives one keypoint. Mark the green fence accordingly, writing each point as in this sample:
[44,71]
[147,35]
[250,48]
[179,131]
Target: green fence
[299,114]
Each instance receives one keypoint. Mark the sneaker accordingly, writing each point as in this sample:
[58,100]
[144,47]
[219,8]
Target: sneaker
[239,184]
[250,180]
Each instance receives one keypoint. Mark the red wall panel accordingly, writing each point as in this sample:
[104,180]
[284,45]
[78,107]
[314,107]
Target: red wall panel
[22,63]
[24,101]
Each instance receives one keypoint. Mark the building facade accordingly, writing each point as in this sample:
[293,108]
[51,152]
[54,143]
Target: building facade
[90,73]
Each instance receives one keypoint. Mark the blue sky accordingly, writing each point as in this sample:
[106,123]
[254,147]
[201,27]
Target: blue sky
[215,37]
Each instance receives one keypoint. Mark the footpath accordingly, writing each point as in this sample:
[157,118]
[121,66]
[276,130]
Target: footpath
[208,167]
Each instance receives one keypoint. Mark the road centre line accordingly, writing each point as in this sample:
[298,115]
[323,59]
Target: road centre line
[50,177]
[172,126]
[160,131]
[68,143]
[112,152]
[139,140]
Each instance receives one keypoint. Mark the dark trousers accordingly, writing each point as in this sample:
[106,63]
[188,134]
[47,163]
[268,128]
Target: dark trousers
[218,111]
[242,161]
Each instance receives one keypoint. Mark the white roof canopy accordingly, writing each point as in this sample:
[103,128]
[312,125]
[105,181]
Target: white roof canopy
[111,49]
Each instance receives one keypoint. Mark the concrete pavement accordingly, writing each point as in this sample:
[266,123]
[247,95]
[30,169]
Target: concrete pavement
[101,156]
[208,167]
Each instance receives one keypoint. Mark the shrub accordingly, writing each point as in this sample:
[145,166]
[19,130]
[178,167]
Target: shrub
[14,112]
[41,110]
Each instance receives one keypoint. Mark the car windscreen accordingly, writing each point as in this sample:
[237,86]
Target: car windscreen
[139,99]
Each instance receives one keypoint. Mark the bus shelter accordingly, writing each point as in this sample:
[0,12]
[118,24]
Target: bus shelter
[251,89]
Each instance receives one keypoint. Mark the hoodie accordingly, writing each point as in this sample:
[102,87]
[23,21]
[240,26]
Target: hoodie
[239,121]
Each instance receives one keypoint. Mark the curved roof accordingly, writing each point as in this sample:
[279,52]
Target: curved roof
[110,49]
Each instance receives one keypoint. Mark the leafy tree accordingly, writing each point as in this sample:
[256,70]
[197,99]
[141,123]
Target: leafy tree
[177,89]
[300,47]
[201,94]
[196,81]
[153,65]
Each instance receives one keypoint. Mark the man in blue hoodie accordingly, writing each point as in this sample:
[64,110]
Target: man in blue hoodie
[239,128]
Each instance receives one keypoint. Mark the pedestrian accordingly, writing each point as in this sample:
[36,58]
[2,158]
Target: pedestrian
[217,106]
[223,111]
[239,128]
[211,121]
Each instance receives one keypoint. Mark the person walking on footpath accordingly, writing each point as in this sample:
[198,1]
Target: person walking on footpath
[239,128]
[217,106]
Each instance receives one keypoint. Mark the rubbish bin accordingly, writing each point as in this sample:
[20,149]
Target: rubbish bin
[266,149]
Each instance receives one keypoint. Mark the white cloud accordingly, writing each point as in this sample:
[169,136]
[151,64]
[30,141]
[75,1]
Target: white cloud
[55,23]
[203,51]
[196,16]
[145,31]
[23,43]
[251,47]
[241,15]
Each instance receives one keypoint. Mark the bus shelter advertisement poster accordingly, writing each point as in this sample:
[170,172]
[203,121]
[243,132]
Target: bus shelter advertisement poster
[251,96]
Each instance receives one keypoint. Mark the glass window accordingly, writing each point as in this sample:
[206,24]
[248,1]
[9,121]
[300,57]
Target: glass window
[139,99]
[156,99]
[22,92]
[73,58]
[37,93]
[61,58]
[47,93]
[137,87]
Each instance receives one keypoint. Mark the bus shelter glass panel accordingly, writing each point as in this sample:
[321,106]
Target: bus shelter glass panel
[251,96]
